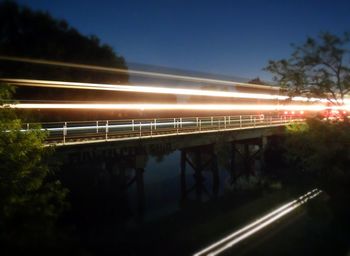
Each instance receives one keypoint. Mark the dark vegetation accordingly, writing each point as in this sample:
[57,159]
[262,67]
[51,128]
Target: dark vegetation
[31,196]
[36,34]
[320,151]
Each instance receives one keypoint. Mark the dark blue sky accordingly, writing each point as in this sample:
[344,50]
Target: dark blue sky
[225,37]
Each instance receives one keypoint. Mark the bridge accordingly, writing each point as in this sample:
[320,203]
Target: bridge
[129,141]
[123,146]
[92,132]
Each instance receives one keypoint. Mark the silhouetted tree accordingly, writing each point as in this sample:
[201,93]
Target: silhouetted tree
[317,68]
[35,34]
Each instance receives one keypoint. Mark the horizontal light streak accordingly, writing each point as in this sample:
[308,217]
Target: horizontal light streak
[135,72]
[214,107]
[257,225]
[142,89]
[305,99]
[159,75]
[157,90]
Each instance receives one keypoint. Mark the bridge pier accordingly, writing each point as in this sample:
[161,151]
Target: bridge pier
[137,164]
[247,152]
[200,159]
[116,172]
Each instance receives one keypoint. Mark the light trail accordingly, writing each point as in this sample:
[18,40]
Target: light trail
[156,90]
[305,99]
[141,89]
[203,107]
[135,72]
[160,75]
[257,225]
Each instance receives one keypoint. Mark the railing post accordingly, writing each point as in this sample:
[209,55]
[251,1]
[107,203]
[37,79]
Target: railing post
[133,125]
[181,122]
[64,132]
[197,121]
[107,130]
[251,118]
[240,121]
[177,127]
[212,121]
[200,125]
[27,126]
[151,129]
[254,121]
[174,123]
[229,120]
[225,122]
[155,124]
[96,126]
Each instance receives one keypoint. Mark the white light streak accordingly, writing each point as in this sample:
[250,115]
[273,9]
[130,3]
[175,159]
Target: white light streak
[257,225]
[143,89]
[159,75]
[158,90]
[135,72]
[203,107]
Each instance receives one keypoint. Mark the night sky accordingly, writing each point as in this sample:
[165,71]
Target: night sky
[235,38]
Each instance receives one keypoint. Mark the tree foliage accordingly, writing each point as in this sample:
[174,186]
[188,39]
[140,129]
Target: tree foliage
[318,68]
[31,199]
[37,35]
[321,149]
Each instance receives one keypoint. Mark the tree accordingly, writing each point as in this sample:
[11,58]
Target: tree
[318,152]
[321,149]
[36,34]
[31,198]
[318,68]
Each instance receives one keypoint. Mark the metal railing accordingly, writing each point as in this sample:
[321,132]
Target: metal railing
[75,131]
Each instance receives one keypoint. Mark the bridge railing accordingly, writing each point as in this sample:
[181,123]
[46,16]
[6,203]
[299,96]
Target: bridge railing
[74,131]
